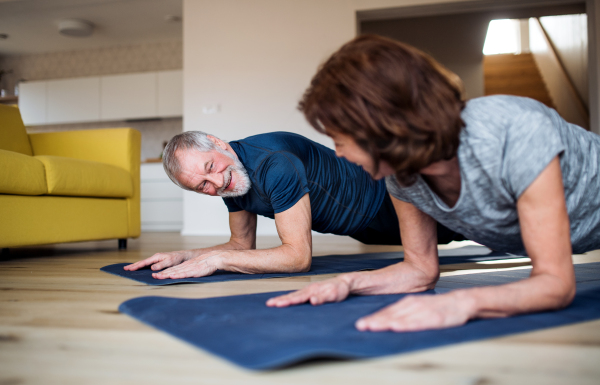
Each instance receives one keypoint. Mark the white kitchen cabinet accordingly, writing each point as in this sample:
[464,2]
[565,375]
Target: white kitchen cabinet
[129,96]
[73,100]
[102,98]
[161,200]
[170,93]
[32,102]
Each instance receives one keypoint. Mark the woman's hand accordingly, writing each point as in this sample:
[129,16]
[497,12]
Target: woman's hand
[332,290]
[420,312]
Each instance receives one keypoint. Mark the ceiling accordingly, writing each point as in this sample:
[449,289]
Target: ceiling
[32,25]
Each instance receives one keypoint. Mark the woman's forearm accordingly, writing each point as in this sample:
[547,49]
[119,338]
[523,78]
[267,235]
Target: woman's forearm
[403,277]
[538,293]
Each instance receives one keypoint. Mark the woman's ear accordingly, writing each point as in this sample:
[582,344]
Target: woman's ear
[217,141]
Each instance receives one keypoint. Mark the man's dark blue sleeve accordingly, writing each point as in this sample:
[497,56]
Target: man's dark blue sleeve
[284,180]
[232,207]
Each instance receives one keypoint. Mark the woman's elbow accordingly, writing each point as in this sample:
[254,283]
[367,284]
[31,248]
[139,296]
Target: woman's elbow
[564,293]
[567,295]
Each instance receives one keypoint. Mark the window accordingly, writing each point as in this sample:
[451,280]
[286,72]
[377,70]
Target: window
[503,36]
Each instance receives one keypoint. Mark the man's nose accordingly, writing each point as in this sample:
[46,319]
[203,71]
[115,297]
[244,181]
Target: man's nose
[216,179]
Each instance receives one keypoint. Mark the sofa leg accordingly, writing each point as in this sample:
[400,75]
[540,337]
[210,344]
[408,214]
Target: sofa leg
[122,244]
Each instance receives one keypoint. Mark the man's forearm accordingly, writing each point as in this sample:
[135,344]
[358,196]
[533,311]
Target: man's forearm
[284,258]
[231,245]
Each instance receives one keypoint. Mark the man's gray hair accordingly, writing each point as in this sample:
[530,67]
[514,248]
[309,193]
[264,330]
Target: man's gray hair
[189,140]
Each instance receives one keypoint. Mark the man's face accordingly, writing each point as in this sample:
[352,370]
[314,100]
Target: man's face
[346,147]
[215,173]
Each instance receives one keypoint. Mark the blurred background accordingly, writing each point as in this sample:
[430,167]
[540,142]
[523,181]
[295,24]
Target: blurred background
[235,68]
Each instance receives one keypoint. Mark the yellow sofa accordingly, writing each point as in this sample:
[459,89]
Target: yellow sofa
[67,186]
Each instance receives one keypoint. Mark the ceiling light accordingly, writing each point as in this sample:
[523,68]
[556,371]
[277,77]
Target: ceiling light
[75,27]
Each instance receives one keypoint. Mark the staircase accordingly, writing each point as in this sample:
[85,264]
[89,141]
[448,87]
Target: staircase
[511,74]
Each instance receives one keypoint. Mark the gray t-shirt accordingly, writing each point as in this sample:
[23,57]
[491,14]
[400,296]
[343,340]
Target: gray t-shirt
[506,143]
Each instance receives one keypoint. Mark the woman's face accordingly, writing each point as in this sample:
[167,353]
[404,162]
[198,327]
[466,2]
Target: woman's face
[346,147]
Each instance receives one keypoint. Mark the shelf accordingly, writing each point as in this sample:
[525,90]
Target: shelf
[9,100]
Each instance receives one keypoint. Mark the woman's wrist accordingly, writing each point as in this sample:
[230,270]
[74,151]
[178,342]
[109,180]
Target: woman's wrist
[350,279]
[467,301]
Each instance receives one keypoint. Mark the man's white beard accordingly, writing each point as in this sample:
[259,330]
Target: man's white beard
[242,184]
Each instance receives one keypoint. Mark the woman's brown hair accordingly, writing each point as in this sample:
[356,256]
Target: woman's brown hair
[396,102]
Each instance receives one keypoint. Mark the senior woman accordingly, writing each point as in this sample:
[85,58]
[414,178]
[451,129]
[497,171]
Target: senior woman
[505,171]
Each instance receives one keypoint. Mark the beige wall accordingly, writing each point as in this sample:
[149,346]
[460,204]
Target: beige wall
[255,59]
[438,36]
[569,36]
[593,20]
[563,94]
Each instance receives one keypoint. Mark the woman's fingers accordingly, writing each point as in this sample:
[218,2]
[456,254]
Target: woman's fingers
[415,313]
[332,290]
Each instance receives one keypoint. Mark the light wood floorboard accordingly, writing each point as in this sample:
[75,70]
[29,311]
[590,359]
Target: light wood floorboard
[59,324]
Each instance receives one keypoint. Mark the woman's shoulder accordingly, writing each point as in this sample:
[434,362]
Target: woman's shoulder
[496,116]
[496,109]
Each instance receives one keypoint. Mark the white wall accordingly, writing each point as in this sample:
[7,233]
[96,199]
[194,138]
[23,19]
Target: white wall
[569,36]
[564,95]
[593,12]
[438,36]
[255,58]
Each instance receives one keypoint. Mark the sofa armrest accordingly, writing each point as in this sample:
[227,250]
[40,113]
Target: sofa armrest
[119,147]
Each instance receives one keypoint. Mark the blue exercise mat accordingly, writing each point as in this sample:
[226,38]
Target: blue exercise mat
[320,265]
[243,330]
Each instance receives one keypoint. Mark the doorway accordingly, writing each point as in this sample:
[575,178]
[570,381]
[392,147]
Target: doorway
[456,39]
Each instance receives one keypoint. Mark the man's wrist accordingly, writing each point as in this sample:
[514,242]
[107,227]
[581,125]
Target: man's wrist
[221,260]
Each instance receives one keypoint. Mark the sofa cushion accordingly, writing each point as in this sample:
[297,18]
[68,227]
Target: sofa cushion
[75,177]
[13,136]
[21,174]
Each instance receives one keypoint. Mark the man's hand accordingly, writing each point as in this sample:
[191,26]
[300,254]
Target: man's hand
[420,312]
[200,266]
[161,261]
[331,290]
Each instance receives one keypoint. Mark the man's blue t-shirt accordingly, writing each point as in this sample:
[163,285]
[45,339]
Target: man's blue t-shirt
[283,167]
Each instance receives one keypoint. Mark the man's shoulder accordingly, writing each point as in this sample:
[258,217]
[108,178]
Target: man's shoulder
[274,141]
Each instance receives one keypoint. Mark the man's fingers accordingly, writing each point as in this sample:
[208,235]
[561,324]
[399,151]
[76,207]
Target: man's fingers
[188,269]
[162,264]
[170,273]
[143,263]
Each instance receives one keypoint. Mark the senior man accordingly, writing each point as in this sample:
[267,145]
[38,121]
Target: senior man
[280,175]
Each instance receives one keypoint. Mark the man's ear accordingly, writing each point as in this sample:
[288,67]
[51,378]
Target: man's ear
[217,141]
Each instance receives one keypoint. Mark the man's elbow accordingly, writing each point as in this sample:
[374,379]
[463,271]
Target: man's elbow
[302,262]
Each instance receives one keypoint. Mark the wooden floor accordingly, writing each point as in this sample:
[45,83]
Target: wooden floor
[59,324]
